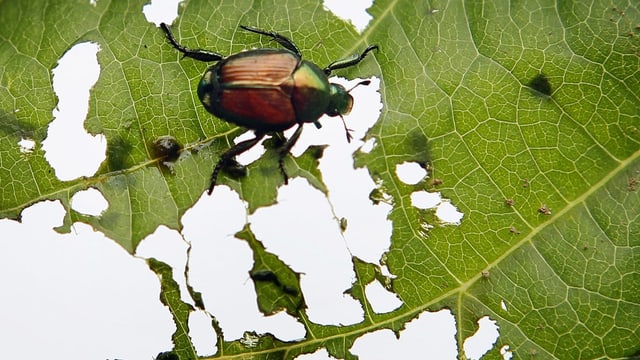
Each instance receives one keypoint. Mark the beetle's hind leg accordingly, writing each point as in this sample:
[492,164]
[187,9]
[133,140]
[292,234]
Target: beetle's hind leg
[280,39]
[198,54]
[228,155]
[284,151]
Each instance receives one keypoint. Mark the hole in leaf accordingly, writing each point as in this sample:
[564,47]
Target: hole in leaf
[168,246]
[425,199]
[431,335]
[368,146]
[319,354]
[89,202]
[218,260]
[312,244]
[381,300]
[81,283]
[161,11]
[76,73]
[410,173]
[252,154]
[506,353]
[202,334]
[448,213]
[26,146]
[482,340]
[354,11]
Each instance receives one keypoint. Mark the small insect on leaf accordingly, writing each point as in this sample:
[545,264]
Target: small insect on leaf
[166,148]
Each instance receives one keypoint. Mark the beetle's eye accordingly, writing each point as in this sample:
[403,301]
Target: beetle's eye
[348,104]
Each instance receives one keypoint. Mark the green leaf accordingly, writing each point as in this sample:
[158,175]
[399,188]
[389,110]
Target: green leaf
[277,286]
[170,297]
[527,113]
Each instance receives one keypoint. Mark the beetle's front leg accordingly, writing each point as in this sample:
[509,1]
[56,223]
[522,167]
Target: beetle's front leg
[198,54]
[238,149]
[286,148]
[343,63]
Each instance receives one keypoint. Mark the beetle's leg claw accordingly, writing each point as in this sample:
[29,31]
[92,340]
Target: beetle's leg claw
[349,136]
[284,174]
[281,156]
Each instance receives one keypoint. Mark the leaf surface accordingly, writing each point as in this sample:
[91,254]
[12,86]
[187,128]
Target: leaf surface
[527,114]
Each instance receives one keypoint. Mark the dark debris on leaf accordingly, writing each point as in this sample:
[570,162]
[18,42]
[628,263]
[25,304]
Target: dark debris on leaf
[541,84]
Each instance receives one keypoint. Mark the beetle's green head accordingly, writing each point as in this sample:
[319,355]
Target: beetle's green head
[340,101]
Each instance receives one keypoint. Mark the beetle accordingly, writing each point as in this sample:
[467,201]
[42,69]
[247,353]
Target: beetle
[269,90]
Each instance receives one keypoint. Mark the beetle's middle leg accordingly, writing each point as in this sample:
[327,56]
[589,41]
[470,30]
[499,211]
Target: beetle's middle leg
[198,54]
[238,149]
[284,151]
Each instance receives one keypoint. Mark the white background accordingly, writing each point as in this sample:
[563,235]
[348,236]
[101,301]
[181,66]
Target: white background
[81,296]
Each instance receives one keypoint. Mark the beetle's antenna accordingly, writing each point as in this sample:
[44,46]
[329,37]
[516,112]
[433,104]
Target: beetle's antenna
[364,82]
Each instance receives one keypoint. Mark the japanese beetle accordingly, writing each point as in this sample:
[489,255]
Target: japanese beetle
[269,90]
